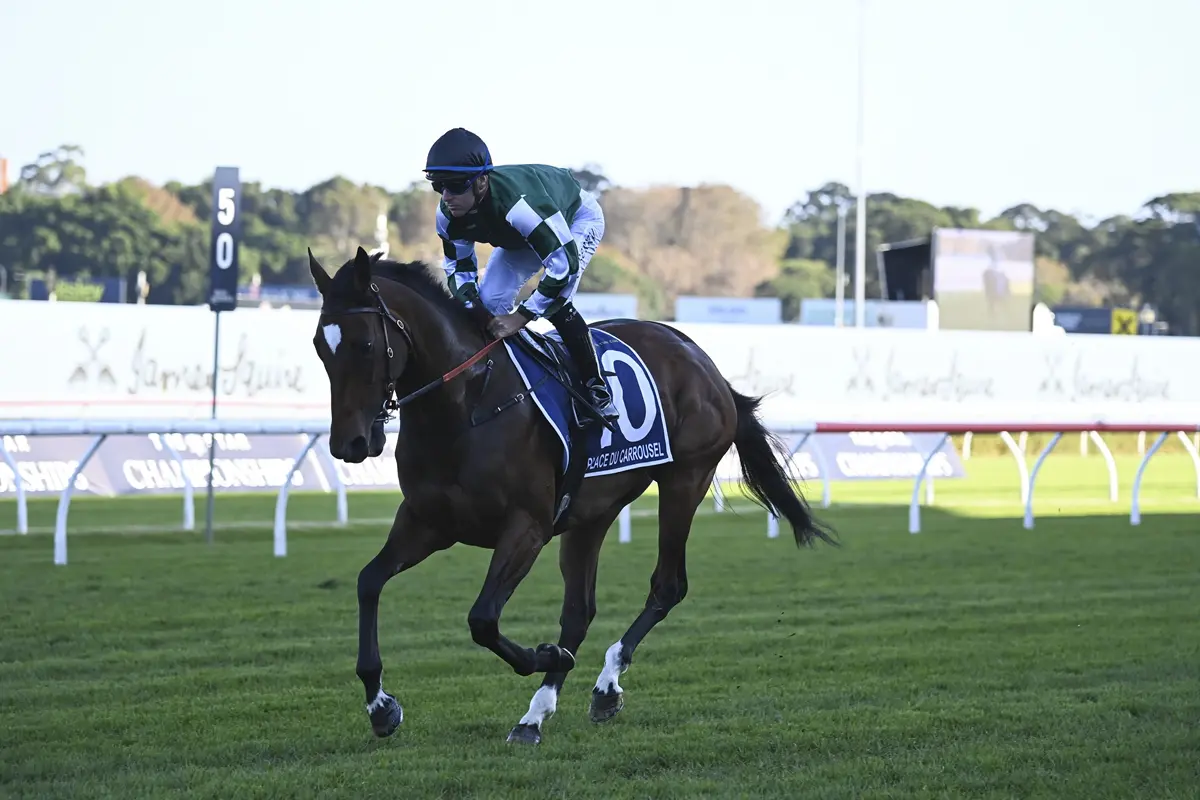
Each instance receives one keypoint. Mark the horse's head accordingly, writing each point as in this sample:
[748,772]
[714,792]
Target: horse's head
[364,348]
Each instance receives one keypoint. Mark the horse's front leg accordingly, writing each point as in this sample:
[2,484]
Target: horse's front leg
[409,543]
[512,559]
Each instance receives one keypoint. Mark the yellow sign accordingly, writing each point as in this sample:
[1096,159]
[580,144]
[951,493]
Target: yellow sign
[1124,321]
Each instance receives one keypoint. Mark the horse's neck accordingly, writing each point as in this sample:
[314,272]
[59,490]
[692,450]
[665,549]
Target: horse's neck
[439,344]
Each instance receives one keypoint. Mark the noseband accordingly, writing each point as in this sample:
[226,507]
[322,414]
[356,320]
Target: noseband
[390,403]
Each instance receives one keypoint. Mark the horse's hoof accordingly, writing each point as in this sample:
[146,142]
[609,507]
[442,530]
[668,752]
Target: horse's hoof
[386,715]
[605,705]
[525,734]
[552,658]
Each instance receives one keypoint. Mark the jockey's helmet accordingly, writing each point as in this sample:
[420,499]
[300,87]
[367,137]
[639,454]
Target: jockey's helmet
[457,157]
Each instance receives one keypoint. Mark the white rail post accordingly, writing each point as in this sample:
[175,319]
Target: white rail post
[343,508]
[625,532]
[823,466]
[718,495]
[189,493]
[1102,446]
[1037,466]
[19,482]
[64,501]
[914,508]
[772,520]
[1022,466]
[282,499]
[1135,507]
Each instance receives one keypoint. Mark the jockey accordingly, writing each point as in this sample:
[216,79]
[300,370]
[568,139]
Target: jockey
[535,217]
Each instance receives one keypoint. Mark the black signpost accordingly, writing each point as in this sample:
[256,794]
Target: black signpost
[223,283]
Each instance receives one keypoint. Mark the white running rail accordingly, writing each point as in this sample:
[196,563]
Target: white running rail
[313,430]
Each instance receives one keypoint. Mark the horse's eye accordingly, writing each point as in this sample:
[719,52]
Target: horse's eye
[364,347]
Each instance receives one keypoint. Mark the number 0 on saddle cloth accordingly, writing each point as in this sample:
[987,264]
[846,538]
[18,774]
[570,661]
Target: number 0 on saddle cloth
[641,437]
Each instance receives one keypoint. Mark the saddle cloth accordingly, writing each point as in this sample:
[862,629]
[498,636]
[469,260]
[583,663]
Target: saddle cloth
[641,437]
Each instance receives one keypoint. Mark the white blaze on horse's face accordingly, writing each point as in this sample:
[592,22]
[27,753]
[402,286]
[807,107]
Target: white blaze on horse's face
[333,336]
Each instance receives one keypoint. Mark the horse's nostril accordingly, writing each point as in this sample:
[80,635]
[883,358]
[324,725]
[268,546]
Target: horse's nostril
[356,450]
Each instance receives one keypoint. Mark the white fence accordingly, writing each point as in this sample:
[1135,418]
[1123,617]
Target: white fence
[313,430]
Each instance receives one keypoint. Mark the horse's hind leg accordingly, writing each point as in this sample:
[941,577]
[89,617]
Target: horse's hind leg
[680,492]
[578,556]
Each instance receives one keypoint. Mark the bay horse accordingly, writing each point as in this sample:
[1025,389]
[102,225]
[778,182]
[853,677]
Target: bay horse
[391,330]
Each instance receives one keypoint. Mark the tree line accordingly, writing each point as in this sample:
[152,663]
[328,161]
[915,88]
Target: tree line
[660,242]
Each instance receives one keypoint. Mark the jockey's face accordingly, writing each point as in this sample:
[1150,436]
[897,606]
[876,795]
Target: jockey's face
[461,203]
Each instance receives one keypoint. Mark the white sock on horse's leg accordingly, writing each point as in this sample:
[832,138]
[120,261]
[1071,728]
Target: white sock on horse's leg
[607,682]
[541,707]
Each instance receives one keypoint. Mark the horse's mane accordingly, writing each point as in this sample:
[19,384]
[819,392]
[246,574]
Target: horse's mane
[415,275]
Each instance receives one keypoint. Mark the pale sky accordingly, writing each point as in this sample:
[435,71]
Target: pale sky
[1088,106]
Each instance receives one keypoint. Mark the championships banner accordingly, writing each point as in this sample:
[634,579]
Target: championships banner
[144,465]
[863,456]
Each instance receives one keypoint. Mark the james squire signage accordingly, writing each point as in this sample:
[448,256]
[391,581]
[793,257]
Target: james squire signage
[108,360]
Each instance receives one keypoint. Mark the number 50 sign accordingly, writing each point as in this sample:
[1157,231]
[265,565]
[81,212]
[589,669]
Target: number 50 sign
[226,235]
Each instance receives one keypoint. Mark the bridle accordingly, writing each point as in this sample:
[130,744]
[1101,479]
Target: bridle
[392,403]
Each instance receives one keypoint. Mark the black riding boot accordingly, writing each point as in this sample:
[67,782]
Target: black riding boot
[578,340]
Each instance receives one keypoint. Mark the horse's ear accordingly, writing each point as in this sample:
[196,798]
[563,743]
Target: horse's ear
[362,269]
[320,276]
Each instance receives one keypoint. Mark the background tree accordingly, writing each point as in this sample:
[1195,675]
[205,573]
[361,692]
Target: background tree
[660,241]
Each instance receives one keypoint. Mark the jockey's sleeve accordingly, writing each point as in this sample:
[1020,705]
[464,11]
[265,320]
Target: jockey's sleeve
[541,222]
[459,261]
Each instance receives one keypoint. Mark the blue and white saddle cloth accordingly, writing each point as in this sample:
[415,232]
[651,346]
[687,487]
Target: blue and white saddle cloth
[641,437]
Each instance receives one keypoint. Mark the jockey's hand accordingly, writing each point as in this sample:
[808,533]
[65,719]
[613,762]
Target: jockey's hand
[506,325]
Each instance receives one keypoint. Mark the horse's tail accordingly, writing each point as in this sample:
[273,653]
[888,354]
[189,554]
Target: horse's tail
[763,461]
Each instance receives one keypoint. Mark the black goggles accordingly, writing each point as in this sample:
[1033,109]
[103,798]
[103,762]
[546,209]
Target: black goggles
[456,185]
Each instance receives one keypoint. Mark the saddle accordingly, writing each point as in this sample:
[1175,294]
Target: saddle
[558,362]
[555,359]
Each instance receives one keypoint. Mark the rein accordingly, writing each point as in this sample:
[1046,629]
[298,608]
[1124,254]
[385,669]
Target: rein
[391,402]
